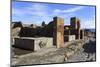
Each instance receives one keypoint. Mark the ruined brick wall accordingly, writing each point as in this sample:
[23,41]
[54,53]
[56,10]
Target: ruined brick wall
[46,31]
[58,32]
[16,24]
[75,23]
[75,27]
[16,28]
[75,32]
[69,38]
[67,30]
[27,32]
[49,29]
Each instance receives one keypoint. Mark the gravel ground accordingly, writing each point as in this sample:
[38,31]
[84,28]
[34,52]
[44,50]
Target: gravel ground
[86,53]
[82,56]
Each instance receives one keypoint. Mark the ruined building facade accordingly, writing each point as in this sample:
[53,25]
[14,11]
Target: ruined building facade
[55,29]
[74,28]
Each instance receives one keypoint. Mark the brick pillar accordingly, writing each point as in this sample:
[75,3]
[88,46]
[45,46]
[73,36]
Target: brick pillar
[78,34]
[58,32]
[75,26]
[82,34]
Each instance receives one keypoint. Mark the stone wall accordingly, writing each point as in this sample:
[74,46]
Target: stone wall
[75,27]
[69,38]
[40,31]
[75,23]
[54,29]
[33,44]
[16,24]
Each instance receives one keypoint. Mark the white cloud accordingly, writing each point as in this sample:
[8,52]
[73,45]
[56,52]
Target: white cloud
[38,7]
[41,10]
[38,10]
[35,9]
[70,10]
[90,23]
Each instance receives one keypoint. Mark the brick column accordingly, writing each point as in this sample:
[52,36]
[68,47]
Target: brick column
[58,32]
[75,27]
[82,34]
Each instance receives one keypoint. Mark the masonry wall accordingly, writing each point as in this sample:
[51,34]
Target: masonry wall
[33,44]
[69,38]
[75,27]
[24,43]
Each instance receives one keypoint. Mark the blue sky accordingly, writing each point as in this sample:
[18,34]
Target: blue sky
[35,13]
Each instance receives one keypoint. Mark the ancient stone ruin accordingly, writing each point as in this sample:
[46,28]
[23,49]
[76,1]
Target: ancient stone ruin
[58,37]
[52,34]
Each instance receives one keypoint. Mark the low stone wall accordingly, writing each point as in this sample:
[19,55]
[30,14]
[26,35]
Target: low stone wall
[69,37]
[33,44]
